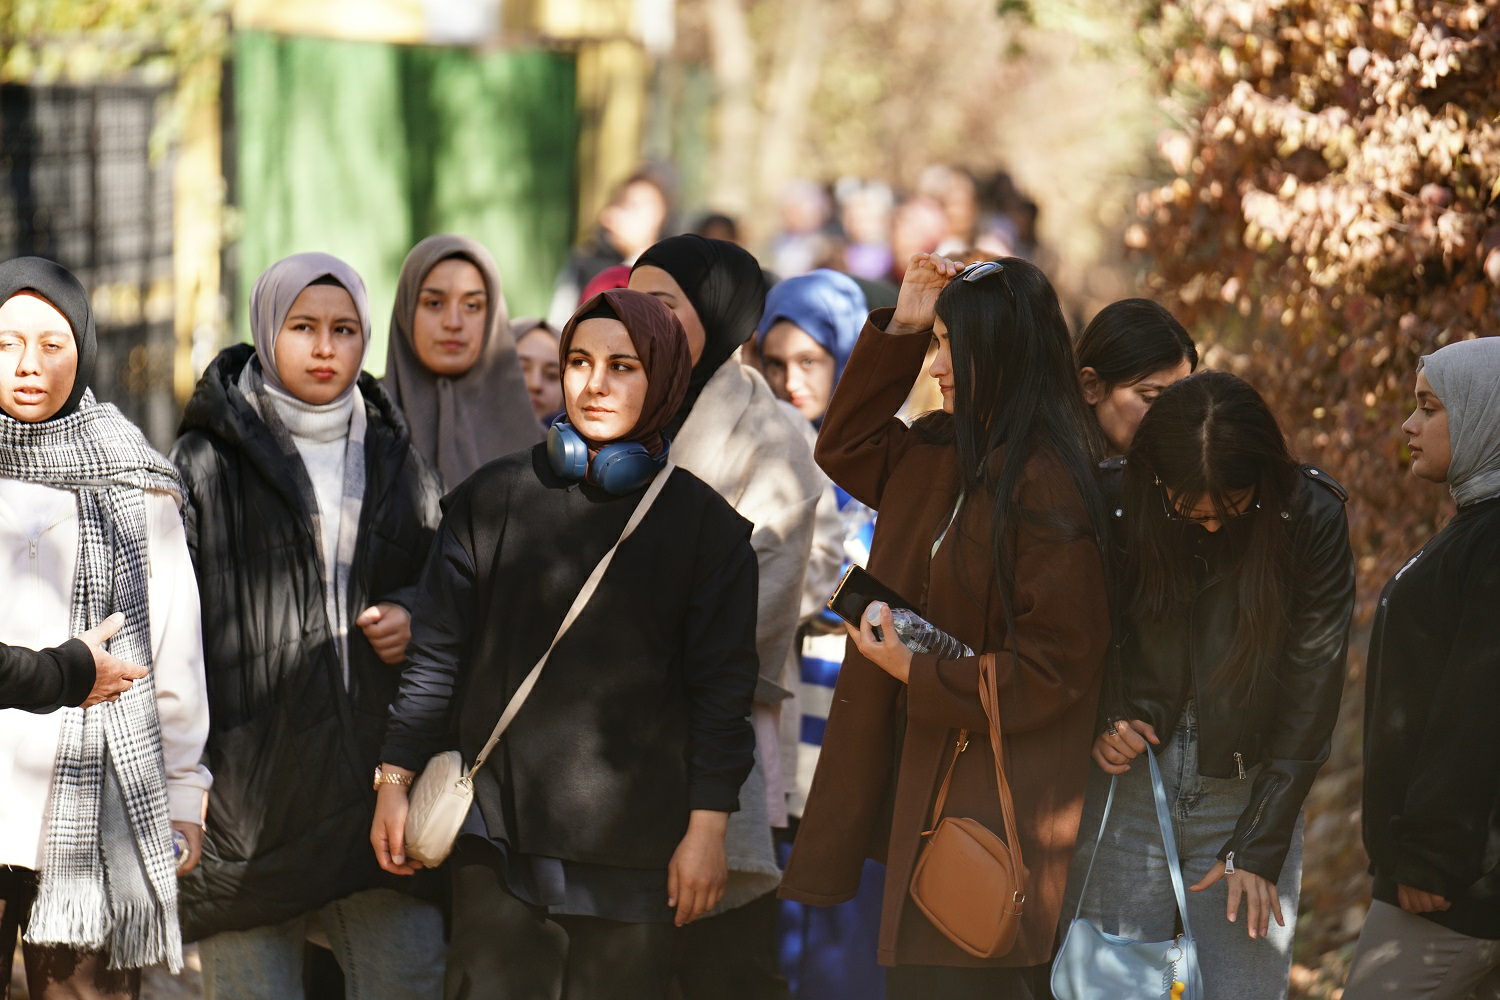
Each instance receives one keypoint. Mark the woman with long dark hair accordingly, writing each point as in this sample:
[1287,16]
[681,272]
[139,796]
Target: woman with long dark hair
[989,521]
[1238,585]
[1130,351]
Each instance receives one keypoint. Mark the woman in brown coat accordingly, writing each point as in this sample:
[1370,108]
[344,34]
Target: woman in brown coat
[989,520]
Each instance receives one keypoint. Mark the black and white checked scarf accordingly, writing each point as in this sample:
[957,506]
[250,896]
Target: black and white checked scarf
[108,881]
[335,574]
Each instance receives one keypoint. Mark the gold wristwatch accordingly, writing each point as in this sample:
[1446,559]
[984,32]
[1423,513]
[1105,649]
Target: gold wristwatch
[388,778]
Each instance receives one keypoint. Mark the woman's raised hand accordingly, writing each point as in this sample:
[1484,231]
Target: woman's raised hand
[1121,743]
[916,304]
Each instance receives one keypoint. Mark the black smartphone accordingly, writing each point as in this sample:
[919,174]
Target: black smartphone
[856,591]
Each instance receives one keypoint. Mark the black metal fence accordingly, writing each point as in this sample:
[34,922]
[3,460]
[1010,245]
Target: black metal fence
[78,184]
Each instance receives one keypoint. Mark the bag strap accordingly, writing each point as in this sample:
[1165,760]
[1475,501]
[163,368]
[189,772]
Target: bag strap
[1169,841]
[989,697]
[589,586]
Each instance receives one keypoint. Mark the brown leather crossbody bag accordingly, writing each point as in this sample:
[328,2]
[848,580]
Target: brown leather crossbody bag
[968,881]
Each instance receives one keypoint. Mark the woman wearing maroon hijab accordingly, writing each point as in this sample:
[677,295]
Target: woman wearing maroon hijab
[599,821]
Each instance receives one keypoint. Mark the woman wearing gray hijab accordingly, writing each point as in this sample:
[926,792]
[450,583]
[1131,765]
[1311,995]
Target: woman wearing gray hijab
[310,514]
[1431,818]
[451,363]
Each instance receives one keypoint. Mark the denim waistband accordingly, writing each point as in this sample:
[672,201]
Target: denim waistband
[1187,721]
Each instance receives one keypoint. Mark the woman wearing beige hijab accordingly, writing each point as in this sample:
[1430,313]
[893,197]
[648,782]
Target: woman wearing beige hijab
[451,359]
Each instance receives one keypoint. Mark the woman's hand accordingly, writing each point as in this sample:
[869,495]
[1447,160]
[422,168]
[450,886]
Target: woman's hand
[388,831]
[698,872]
[1260,898]
[1415,900]
[1123,742]
[388,627]
[193,833]
[916,304]
[888,652]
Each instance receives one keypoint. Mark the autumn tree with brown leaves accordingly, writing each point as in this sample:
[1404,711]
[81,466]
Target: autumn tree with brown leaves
[1331,216]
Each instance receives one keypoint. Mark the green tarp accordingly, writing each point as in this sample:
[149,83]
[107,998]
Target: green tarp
[361,150]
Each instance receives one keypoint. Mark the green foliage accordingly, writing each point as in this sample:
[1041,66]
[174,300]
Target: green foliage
[178,42]
[1021,9]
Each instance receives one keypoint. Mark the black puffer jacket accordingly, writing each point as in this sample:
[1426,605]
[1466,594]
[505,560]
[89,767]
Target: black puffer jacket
[291,750]
[1285,722]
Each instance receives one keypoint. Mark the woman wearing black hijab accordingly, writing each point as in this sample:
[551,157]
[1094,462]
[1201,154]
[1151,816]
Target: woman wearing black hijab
[599,821]
[733,433]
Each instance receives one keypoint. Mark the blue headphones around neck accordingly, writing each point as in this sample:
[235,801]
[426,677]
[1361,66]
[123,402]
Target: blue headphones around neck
[619,468]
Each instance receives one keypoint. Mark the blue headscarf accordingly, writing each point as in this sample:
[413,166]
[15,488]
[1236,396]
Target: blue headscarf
[828,305]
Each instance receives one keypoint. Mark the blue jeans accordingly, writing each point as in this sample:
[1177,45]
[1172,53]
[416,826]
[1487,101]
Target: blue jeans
[389,945]
[1130,891]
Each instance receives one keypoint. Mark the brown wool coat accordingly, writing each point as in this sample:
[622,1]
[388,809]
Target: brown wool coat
[1047,700]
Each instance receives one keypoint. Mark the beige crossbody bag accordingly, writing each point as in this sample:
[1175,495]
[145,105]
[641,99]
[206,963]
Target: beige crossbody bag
[443,793]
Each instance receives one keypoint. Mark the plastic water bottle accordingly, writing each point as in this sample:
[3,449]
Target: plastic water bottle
[921,636]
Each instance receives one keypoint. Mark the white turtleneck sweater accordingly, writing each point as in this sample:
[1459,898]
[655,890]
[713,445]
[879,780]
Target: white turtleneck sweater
[321,434]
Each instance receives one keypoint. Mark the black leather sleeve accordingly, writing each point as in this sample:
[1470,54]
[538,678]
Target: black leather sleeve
[1309,682]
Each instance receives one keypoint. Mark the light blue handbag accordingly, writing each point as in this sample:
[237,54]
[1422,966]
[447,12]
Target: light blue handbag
[1093,965]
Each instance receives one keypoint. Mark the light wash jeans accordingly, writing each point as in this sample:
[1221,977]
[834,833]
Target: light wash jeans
[1130,891]
[389,945]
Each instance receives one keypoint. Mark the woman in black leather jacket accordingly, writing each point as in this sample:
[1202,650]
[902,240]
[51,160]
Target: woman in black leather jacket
[1237,585]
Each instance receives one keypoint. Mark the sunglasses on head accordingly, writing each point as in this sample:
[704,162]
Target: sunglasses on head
[980,269]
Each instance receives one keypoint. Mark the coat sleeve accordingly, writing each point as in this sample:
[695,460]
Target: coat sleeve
[1447,821]
[177,660]
[862,440]
[43,681]
[720,674]
[442,611]
[1062,630]
[417,477]
[1310,678]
